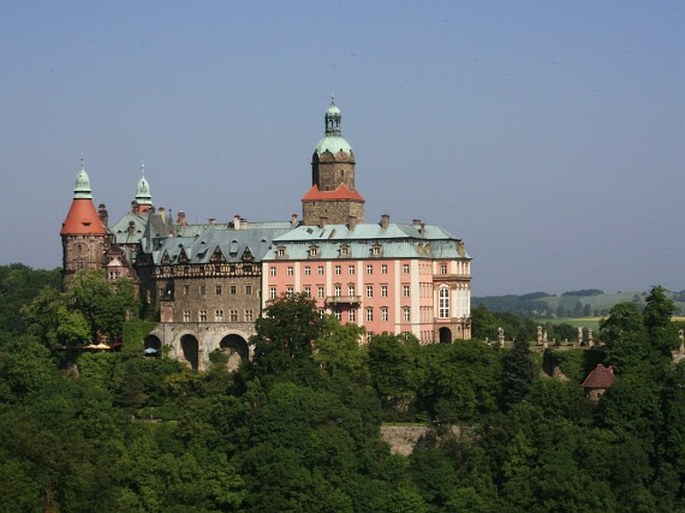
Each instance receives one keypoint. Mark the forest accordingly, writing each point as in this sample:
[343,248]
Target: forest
[297,428]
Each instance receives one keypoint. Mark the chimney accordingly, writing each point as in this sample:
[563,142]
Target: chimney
[131,228]
[212,220]
[351,222]
[422,228]
[243,223]
[236,222]
[385,221]
[181,219]
[103,215]
[416,222]
[162,213]
[135,207]
[322,221]
[293,220]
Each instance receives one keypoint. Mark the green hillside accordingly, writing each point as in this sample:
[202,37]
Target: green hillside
[592,302]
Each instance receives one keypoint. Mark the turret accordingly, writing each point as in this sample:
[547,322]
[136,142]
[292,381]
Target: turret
[84,236]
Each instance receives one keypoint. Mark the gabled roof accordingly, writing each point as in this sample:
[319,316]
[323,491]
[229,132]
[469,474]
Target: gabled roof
[82,219]
[600,377]
[340,193]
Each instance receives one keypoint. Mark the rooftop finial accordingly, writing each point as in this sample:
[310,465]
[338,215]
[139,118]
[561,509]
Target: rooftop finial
[82,164]
[142,167]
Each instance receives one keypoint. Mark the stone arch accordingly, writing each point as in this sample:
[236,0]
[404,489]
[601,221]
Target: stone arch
[237,348]
[153,342]
[190,348]
[445,335]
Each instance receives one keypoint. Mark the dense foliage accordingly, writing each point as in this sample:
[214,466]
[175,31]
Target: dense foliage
[298,428]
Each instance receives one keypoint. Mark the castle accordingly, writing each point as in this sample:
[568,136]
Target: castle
[211,281]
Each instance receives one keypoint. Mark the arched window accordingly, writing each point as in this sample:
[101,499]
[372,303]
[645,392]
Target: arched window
[444,303]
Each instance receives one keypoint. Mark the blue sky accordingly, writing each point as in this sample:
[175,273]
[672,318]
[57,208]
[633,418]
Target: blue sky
[549,135]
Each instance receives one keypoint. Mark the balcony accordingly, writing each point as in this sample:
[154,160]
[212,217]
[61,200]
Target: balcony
[343,300]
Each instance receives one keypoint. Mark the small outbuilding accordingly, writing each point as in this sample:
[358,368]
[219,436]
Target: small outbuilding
[598,381]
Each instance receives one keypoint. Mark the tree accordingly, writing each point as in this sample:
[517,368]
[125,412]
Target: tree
[285,334]
[624,334]
[659,309]
[518,373]
[102,304]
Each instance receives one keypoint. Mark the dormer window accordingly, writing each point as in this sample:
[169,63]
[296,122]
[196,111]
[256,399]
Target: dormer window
[344,250]
[280,252]
[313,251]
[376,250]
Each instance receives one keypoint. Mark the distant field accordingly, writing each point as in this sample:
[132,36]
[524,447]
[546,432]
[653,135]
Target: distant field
[584,322]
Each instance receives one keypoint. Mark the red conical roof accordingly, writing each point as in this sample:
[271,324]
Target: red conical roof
[82,219]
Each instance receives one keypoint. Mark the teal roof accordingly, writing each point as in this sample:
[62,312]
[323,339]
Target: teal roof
[333,140]
[121,232]
[396,241]
[334,144]
[82,188]
[233,245]
[143,196]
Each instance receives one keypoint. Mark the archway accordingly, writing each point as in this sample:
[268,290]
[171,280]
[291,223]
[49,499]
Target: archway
[153,346]
[237,348]
[445,336]
[190,348]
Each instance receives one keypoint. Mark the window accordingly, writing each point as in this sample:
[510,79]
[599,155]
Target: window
[384,291]
[248,290]
[280,252]
[376,251]
[319,270]
[218,290]
[338,314]
[249,316]
[405,290]
[351,290]
[443,268]
[369,269]
[234,315]
[289,271]
[78,264]
[350,269]
[219,315]
[384,268]
[233,289]
[405,268]
[406,314]
[114,275]
[384,314]
[337,291]
[352,315]
[308,291]
[319,292]
[272,293]
[338,269]
[202,315]
[369,291]
[289,292]
[272,270]
[186,289]
[307,270]
[369,314]
[186,315]
[369,336]
[203,290]
[444,303]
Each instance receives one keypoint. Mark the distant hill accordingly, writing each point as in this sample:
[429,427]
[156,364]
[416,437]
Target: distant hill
[588,302]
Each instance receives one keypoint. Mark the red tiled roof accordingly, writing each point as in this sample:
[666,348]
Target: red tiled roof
[340,193]
[600,377]
[82,219]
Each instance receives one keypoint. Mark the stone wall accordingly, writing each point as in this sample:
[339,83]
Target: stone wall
[402,439]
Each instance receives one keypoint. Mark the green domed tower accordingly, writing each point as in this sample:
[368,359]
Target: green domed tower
[333,197]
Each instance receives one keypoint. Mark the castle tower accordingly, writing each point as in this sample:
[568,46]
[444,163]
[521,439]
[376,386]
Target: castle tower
[84,238]
[333,197]
[143,201]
